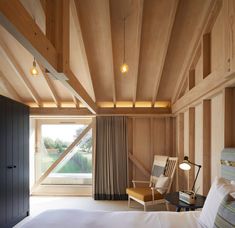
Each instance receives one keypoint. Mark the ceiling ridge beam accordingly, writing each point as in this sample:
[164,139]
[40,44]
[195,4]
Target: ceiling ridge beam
[19,71]
[138,44]
[205,24]
[11,90]
[166,46]
[50,86]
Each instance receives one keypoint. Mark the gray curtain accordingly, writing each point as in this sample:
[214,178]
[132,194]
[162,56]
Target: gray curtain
[111,159]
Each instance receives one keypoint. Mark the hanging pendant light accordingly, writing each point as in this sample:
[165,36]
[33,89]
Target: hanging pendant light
[124,67]
[34,70]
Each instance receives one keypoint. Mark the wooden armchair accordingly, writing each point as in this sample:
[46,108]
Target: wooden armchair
[150,195]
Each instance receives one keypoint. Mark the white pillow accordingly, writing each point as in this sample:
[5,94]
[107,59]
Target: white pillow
[162,183]
[219,189]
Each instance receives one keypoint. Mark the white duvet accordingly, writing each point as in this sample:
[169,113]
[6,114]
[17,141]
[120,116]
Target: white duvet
[70,218]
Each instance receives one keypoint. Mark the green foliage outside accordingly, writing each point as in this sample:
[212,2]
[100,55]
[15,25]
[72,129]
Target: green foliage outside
[81,162]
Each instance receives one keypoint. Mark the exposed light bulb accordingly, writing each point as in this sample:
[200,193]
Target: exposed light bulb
[34,70]
[124,68]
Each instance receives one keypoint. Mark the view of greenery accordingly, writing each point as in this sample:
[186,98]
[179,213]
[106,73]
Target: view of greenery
[80,162]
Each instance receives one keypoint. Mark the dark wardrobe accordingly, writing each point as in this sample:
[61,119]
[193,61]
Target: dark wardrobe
[14,162]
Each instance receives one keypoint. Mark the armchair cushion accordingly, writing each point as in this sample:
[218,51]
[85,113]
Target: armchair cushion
[144,194]
[162,184]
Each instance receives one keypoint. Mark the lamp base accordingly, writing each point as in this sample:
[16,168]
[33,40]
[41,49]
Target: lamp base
[187,197]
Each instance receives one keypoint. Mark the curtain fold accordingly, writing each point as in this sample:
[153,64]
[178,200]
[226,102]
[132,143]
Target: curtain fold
[111,159]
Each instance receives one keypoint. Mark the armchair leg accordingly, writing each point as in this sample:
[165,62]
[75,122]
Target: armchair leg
[129,201]
[167,206]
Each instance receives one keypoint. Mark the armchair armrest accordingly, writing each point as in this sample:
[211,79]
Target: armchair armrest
[138,181]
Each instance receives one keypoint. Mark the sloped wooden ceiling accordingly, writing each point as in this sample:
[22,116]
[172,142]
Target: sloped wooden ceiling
[160,35]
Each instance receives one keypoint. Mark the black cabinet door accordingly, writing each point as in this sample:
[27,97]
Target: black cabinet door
[9,161]
[14,162]
[3,168]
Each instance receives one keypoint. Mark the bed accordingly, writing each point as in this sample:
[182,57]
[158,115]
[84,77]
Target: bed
[70,218]
[97,219]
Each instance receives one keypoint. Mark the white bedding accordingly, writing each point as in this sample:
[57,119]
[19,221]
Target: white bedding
[70,218]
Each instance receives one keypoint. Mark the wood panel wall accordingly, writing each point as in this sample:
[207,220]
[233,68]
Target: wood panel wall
[207,109]
[149,136]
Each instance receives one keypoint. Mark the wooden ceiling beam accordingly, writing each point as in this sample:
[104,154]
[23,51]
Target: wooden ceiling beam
[206,24]
[59,112]
[16,20]
[51,88]
[113,74]
[102,111]
[10,89]
[133,111]
[74,13]
[19,71]
[166,45]
[137,48]
[57,30]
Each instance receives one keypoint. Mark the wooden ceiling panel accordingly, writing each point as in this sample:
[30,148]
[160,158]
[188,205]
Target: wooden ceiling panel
[187,24]
[62,92]
[35,9]
[126,84]
[158,18]
[94,18]
[13,79]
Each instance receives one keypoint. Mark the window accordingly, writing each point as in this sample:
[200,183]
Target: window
[67,147]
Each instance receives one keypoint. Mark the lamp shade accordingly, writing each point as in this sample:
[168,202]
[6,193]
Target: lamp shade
[185,165]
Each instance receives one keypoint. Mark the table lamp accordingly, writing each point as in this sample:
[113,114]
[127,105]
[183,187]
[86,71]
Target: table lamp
[186,165]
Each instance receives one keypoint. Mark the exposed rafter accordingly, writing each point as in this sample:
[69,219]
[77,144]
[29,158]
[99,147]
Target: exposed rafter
[18,70]
[52,90]
[137,48]
[74,14]
[75,101]
[18,22]
[206,23]
[113,74]
[10,89]
[166,45]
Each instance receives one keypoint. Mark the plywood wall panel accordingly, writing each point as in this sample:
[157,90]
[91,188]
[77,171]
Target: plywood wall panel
[199,144]
[151,136]
[217,130]
[199,71]
[191,145]
[186,146]
[217,43]
[142,151]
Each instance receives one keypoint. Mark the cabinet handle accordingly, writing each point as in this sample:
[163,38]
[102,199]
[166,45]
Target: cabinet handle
[10,167]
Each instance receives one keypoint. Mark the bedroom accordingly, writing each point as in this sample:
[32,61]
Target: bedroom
[92,90]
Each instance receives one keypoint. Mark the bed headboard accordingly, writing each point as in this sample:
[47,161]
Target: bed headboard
[228,163]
